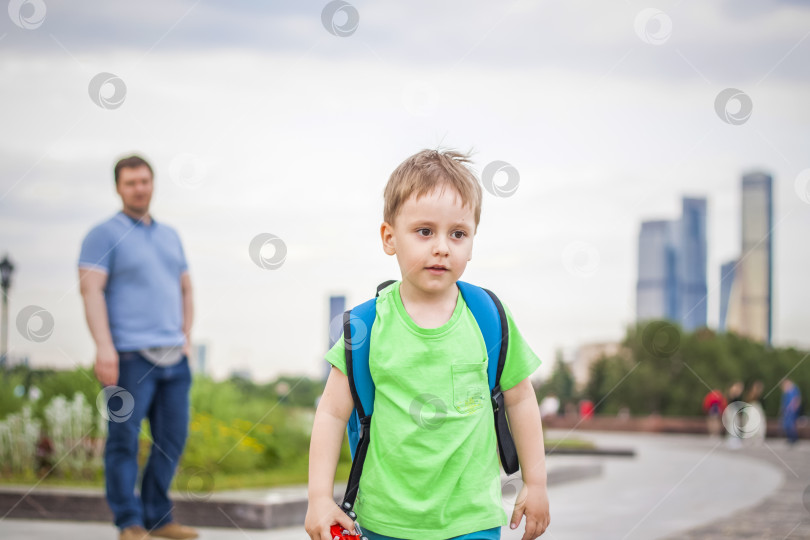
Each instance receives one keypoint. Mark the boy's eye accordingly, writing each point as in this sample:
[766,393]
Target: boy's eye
[459,234]
[423,232]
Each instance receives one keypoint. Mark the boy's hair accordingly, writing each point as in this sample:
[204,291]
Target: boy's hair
[427,170]
[131,162]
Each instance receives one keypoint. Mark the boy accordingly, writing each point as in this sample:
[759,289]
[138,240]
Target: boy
[432,469]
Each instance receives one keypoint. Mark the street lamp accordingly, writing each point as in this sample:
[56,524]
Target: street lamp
[6,268]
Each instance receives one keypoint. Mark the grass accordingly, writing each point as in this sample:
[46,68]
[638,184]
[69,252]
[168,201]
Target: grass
[289,476]
[569,443]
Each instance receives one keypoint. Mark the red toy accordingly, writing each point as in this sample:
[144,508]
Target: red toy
[342,534]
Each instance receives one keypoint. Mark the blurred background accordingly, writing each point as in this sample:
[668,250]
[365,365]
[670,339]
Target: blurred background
[642,161]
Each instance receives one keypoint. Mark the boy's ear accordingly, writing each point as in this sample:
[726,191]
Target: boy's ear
[387,236]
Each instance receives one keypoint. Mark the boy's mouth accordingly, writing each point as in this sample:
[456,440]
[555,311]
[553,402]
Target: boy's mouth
[437,269]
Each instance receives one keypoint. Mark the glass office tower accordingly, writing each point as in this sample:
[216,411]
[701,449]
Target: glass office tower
[672,268]
[749,309]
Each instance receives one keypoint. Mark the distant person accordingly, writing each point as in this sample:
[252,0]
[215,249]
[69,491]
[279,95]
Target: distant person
[586,409]
[735,392]
[549,406]
[734,432]
[443,481]
[791,403]
[137,297]
[756,424]
[713,405]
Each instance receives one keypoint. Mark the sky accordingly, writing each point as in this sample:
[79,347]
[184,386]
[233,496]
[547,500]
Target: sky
[286,119]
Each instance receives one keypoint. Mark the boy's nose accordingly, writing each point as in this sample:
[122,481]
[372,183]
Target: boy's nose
[441,246]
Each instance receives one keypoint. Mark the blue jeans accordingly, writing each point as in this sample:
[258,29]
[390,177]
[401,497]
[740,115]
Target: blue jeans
[489,534]
[789,425]
[160,394]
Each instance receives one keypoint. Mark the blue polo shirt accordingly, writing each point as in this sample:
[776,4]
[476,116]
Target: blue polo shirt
[143,264]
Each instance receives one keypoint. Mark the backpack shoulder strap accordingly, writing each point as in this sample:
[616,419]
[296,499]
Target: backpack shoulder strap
[488,312]
[357,324]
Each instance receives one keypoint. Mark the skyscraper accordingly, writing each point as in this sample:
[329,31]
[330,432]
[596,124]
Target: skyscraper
[672,268]
[726,280]
[657,287]
[749,306]
[692,264]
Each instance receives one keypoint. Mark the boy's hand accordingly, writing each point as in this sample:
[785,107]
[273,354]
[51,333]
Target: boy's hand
[322,513]
[533,503]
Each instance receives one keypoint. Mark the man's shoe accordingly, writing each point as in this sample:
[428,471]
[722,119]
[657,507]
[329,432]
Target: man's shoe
[135,532]
[175,531]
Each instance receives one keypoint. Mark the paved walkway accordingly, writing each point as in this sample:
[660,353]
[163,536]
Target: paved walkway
[783,514]
[675,484]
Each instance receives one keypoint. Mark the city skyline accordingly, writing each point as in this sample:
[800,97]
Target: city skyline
[672,259]
[672,272]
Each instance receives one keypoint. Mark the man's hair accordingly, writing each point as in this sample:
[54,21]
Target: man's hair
[131,162]
[427,170]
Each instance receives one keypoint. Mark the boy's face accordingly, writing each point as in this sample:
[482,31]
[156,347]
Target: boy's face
[432,238]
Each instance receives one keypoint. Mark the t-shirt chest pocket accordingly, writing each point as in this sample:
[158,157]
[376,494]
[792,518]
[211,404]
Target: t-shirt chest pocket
[470,387]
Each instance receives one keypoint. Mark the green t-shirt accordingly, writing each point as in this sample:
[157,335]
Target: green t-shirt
[432,470]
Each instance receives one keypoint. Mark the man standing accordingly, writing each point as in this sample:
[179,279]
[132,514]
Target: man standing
[136,289]
[791,401]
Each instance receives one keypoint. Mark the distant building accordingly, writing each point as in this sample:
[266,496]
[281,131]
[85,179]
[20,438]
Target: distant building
[692,265]
[656,289]
[749,306]
[586,355]
[337,305]
[199,354]
[672,262]
[726,280]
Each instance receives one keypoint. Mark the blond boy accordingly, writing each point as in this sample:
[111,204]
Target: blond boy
[432,469]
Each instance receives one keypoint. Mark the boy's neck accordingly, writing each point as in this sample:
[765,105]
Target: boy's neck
[428,310]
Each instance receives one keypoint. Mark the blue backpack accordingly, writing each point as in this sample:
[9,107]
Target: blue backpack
[357,322]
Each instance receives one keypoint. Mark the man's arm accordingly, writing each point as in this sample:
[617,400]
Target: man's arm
[527,431]
[188,309]
[91,285]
